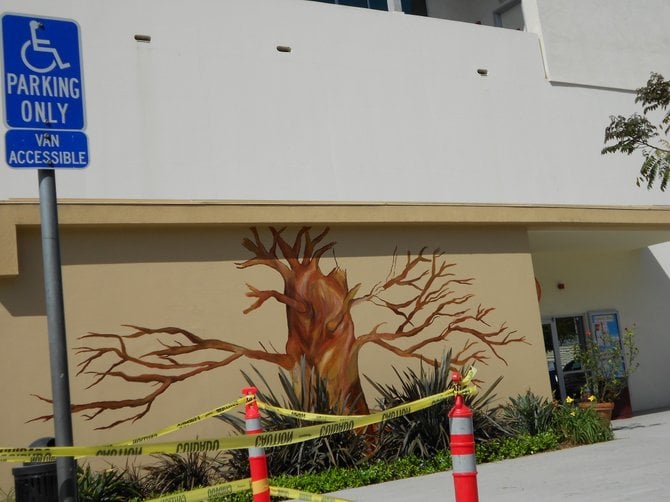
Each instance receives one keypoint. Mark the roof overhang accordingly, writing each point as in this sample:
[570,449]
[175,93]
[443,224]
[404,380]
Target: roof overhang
[550,228]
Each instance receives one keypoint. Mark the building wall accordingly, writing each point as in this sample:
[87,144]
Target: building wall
[368,106]
[600,42]
[188,276]
[631,282]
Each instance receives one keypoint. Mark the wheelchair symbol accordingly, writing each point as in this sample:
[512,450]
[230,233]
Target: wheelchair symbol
[35,46]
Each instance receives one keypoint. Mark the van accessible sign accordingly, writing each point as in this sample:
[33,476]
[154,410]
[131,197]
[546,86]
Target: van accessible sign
[43,93]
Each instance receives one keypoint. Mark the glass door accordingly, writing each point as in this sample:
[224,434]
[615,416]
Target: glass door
[562,336]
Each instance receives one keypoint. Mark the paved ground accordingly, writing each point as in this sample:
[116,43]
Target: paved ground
[633,467]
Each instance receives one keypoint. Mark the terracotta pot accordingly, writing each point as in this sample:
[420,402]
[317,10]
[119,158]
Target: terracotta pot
[604,410]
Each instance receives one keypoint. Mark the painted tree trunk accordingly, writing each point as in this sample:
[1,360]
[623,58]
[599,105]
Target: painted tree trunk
[322,331]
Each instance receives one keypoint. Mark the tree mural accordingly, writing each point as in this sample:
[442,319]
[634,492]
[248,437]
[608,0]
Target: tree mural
[427,300]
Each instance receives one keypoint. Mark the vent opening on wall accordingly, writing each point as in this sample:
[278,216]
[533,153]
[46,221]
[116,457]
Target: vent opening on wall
[283,48]
[143,38]
[483,72]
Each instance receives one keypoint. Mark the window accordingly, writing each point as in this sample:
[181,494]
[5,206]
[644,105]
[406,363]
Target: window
[417,7]
[510,15]
[366,4]
[562,336]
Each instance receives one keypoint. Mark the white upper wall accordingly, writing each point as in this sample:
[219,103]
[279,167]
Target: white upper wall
[368,106]
[608,43]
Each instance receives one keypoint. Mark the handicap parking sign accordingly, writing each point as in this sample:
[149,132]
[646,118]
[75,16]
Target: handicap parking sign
[43,92]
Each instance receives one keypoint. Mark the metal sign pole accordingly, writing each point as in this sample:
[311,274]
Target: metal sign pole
[53,288]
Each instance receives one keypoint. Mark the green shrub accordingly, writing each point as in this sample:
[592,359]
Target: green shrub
[380,471]
[178,472]
[486,420]
[135,477]
[528,414]
[426,432]
[314,466]
[578,426]
[7,496]
[513,447]
[110,485]
[346,449]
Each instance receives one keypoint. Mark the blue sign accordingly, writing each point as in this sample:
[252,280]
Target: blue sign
[43,93]
[33,148]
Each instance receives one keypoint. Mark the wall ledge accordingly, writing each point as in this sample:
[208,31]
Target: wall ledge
[17,213]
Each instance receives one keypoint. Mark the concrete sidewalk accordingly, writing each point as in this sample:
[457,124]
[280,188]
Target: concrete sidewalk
[635,467]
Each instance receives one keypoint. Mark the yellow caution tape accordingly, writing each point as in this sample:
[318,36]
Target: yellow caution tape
[186,423]
[140,439]
[304,415]
[35,454]
[259,486]
[298,495]
[220,490]
[469,376]
[261,440]
[223,489]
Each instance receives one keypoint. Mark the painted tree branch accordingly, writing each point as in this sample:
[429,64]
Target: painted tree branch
[159,369]
[433,295]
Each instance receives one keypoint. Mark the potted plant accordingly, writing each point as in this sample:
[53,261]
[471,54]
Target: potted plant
[608,361]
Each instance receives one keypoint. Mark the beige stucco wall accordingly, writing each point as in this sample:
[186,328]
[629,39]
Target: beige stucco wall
[185,276]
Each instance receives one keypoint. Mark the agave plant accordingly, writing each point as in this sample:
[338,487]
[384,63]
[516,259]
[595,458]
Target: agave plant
[528,414]
[177,472]
[345,449]
[110,485]
[426,432]
[135,477]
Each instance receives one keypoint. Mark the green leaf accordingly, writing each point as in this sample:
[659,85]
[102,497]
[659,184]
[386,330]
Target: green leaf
[638,134]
